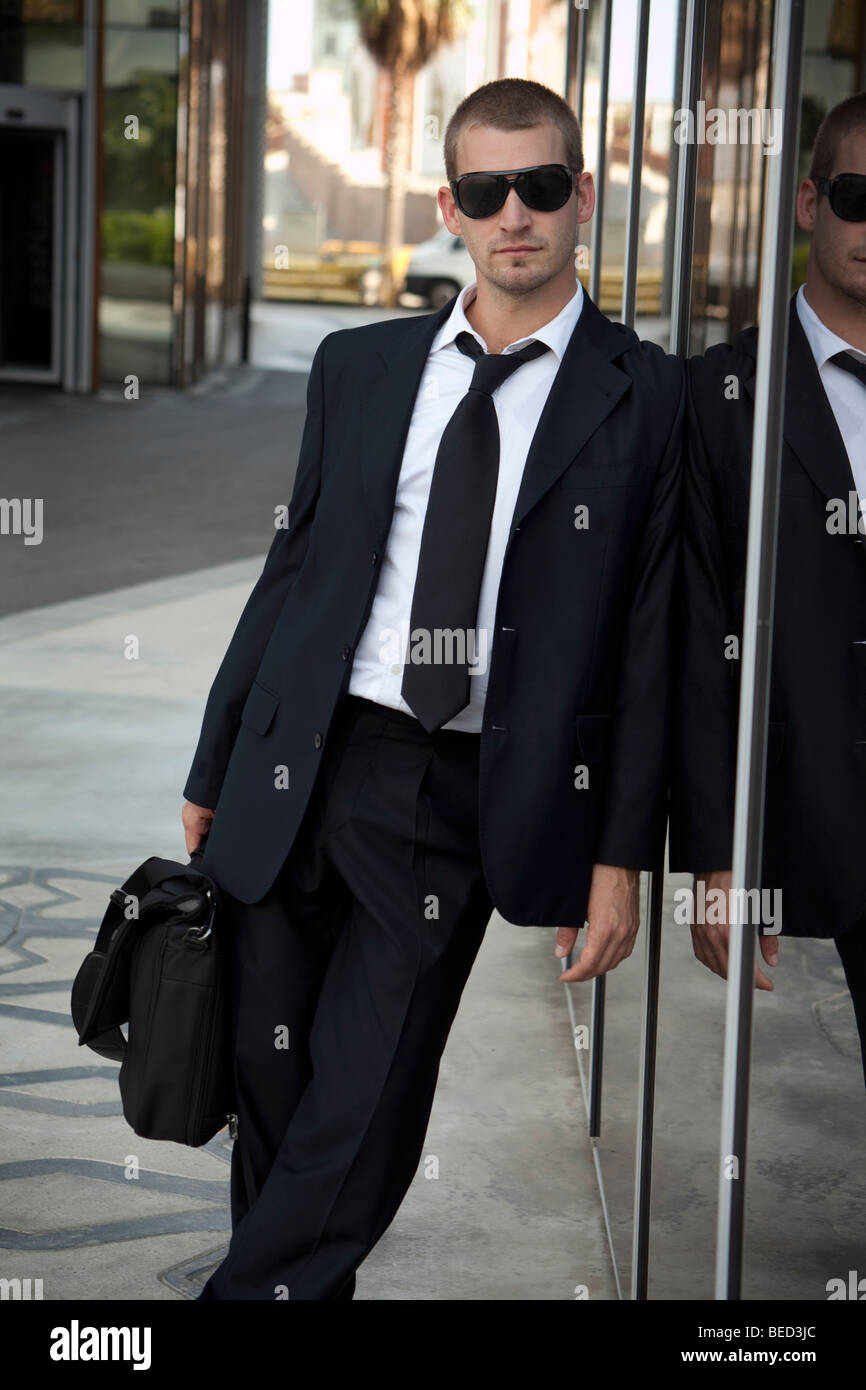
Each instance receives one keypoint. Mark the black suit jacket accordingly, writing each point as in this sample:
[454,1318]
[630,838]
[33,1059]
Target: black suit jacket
[579,668]
[815,817]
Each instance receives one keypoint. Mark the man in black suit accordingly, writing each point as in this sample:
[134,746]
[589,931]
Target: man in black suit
[815,810]
[447,692]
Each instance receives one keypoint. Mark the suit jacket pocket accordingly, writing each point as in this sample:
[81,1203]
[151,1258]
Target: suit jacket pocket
[260,708]
[593,737]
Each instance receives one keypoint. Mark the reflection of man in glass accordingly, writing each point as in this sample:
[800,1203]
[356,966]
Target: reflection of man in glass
[815,819]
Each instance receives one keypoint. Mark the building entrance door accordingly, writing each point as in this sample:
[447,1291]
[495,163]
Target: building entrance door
[38,247]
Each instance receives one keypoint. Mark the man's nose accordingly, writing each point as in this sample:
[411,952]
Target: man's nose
[514,212]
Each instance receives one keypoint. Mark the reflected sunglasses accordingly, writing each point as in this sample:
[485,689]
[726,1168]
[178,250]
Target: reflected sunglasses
[847,195]
[542,187]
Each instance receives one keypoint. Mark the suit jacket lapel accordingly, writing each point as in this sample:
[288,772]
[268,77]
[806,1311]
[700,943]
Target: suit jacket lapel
[585,390]
[810,427]
[388,393]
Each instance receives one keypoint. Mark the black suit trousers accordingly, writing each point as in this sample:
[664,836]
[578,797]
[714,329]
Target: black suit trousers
[346,978]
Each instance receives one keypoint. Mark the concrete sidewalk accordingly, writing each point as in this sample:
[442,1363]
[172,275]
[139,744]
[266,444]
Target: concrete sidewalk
[96,752]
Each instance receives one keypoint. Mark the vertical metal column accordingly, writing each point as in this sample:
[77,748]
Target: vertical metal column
[695,19]
[758,635]
[581,62]
[571,43]
[655,885]
[596,1055]
[71,258]
[90,136]
[255,115]
[183,213]
[575,58]
[601,155]
[598,992]
[646,1086]
[635,164]
[687,179]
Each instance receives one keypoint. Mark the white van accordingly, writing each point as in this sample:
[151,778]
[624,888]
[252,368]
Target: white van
[437,270]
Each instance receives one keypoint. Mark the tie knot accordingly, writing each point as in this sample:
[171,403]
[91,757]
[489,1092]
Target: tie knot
[850,364]
[492,368]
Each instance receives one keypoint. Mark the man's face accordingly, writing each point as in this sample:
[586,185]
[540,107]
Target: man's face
[517,249]
[838,247]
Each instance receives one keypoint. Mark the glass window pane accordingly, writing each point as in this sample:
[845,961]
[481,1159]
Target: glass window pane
[42,55]
[142,13]
[139,118]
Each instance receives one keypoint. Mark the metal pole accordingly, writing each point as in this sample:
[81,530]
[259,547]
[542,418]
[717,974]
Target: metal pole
[571,43]
[757,636]
[90,137]
[575,61]
[655,885]
[693,51]
[581,63]
[575,58]
[256,116]
[596,1056]
[646,1087]
[674,154]
[601,156]
[245,319]
[594,288]
[687,180]
[635,164]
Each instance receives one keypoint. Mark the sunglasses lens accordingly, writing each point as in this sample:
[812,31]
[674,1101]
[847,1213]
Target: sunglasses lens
[849,198]
[545,189]
[480,195]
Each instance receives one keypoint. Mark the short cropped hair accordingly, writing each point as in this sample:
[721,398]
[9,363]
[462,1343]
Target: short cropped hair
[841,120]
[514,103]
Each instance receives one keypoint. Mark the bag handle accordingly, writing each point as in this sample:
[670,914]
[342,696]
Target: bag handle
[154,871]
[148,875]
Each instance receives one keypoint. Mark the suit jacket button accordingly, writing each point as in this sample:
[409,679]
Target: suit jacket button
[347,652]
[375,558]
[317,741]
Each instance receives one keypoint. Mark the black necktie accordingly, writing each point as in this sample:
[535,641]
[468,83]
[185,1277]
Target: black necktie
[851,364]
[454,542]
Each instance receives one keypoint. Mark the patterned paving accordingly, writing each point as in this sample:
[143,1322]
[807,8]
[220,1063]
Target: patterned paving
[52,1201]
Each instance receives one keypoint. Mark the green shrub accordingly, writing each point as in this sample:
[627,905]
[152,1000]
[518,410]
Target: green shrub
[146,238]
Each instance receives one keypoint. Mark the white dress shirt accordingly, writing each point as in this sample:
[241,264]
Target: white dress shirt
[377,669]
[847,395]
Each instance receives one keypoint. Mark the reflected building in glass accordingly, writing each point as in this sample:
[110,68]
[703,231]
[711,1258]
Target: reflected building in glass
[128,219]
[132,150]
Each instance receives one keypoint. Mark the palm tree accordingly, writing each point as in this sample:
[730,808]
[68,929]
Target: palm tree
[402,36]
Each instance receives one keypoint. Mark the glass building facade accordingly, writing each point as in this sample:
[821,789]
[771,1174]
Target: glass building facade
[132,146]
[124,245]
[731,172]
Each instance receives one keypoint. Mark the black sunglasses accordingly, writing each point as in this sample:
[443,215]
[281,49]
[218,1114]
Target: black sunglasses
[542,187]
[847,194]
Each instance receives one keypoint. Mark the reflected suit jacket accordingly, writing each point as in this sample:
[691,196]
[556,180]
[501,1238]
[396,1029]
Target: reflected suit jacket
[815,802]
[579,673]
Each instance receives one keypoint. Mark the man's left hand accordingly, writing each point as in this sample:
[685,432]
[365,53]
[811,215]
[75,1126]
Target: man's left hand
[612,919]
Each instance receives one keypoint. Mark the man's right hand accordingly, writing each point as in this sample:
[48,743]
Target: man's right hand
[711,941]
[196,823]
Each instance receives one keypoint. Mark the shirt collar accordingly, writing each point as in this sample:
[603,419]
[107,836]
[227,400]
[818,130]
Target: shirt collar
[822,340]
[555,334]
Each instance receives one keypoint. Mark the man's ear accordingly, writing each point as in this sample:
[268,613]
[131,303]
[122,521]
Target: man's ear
[448,209]
[807,205]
